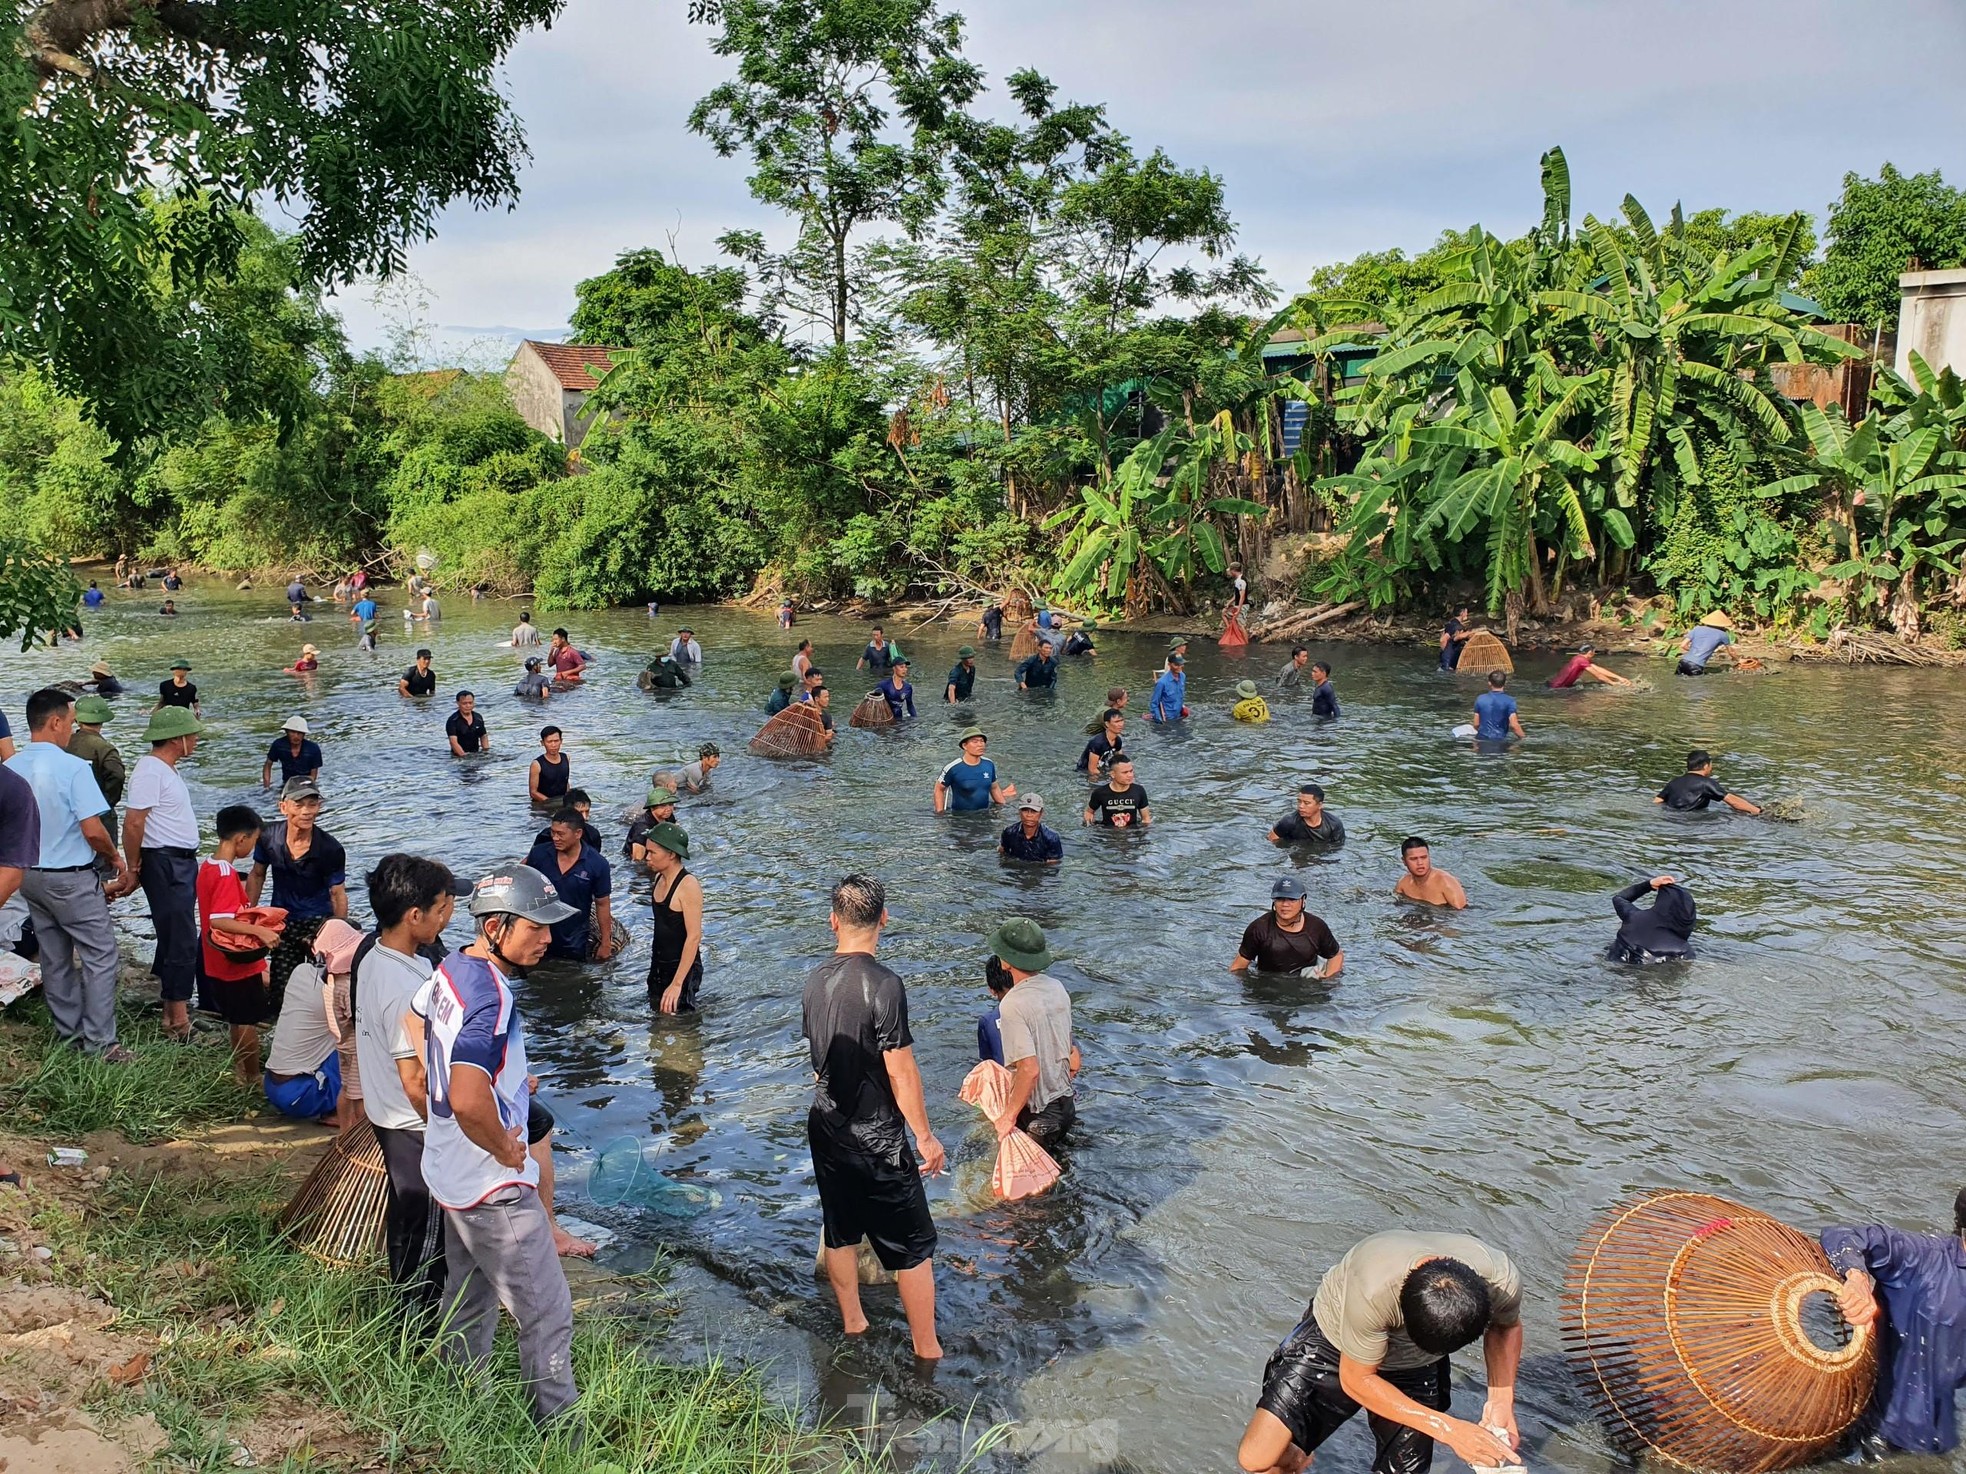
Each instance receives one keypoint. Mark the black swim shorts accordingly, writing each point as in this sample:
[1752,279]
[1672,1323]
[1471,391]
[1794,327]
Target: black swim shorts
[539,1122]
[876,1196]
[1300,1390]
[1048,1126]
[1687,668]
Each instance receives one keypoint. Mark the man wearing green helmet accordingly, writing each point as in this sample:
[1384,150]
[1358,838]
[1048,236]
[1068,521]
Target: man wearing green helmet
[962,676]
[160,843]
[100,754]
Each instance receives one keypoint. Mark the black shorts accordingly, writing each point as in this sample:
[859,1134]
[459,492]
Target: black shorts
[539,1122]
[662,972]
[241,1003]
[1301,1391]
[1687,668]
[875,1197]
[1048,1126]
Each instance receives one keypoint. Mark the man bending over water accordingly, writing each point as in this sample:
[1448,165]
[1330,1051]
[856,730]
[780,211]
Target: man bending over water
[1378,1337]
[1697,787]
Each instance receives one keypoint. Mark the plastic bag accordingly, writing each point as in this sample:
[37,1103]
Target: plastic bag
[1024,1169]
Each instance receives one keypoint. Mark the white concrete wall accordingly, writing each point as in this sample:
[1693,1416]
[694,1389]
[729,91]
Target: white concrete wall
[536,394]
[1932,319]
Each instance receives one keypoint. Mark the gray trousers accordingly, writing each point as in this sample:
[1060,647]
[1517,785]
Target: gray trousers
[78,953]
[501,1253]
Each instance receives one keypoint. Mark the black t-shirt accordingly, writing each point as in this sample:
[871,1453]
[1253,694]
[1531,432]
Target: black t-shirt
[1100,748]
[470,736]
[1293,830]
[638,833]
[420,682]
[1108,806]
[1692,791]
[1272,949]
[172,694]
[855,1011]
[963,678]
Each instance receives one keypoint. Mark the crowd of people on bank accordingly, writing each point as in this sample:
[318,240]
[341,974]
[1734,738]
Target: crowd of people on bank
[427,1044]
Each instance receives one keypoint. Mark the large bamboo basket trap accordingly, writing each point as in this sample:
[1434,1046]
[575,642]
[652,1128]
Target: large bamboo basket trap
[1484,652]
[795,732]
[1024,643]
[337,1215]
[1700,1331]
[873,711]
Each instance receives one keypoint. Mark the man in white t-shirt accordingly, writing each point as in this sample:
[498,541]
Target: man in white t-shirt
[412,899]
[160,842]
[1035,1021]
[498,1236]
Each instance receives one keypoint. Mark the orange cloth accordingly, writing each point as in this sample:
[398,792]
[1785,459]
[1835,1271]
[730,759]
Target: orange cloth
[1232,630]
[1024,1169]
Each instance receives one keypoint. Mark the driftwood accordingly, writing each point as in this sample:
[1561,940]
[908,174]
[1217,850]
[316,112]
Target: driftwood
[1290,626]
[1874,647]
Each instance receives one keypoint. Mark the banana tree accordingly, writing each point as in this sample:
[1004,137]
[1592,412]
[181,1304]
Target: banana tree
[1901,500]
[1150,529]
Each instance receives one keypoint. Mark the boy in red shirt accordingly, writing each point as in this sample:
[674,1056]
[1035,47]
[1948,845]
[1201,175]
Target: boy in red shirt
[235,987]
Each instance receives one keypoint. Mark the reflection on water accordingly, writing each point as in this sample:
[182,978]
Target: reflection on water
[1487,1070]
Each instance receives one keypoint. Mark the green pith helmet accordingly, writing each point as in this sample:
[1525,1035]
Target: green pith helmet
[659,796]
[172,721]
[180,664]
[669,836]
[968,652]
[1020,942]
[1246,690]
[787,679]
[969,732]
[94,710]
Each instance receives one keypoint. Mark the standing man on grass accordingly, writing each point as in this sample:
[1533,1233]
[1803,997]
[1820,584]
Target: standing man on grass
[310,879]
[498,1238]
[160,842]
[867,1097]
[66,898]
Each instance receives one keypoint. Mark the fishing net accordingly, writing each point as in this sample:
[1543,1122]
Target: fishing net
[624,1175]
[1017,605]
[873,711]
[617,933]
[795,732]
[336,1216]
[1484,652]
[1707,1333]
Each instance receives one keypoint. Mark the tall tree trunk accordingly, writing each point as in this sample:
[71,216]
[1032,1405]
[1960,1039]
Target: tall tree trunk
[1539,600]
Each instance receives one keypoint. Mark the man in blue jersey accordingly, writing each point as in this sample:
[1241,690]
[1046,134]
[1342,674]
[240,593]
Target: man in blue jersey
[970,782]
[1170,699]
[498,1236]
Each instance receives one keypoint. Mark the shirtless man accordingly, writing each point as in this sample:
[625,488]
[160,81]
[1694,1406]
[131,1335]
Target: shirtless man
[1423,883]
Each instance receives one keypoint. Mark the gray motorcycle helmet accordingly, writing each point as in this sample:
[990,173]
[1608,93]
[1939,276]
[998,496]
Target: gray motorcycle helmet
[522,892]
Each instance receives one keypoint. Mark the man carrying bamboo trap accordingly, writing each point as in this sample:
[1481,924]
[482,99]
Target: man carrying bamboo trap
[498,1235]
[1378,1335]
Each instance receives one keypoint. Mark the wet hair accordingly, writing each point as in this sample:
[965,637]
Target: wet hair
[462,694]
[805,644]
[1497,679]
[237,819]
[545,732]
[813,670]
[1959,1212]
[1445,1305]
[569,817]
[525,616]
[578,796]
[997,978]
[423,654]
[563,634]
[878,630]
[45,705]
[1311,790]
[859,900]
[1697,759]
[1323,665]
[1115,695]
[1120,759]
[1297,650]
[401,883]
[1109,713]
[1411,843]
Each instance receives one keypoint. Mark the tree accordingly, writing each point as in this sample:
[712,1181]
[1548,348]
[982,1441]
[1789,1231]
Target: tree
[1712,231]
[823,89]
[37,592]
[646,299]
[1380,284]
[367,120]
[1876,230]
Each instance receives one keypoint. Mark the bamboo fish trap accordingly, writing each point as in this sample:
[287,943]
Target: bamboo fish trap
[795,732]
[1697,1327]
[873,711]
[1484,652]
[1025,643]
[337,1215]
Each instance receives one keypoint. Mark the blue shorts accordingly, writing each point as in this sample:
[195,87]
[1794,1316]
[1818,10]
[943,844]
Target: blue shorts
[308,1097]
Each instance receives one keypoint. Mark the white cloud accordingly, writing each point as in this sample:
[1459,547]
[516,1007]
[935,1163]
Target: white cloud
[1337,127]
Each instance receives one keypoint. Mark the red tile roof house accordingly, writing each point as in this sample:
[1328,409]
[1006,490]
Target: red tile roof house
[549,382]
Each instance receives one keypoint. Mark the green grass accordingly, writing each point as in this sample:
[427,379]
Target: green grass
[54,1089]
[249,1322]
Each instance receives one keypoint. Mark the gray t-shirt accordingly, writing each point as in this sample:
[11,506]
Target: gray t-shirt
[1357,1304]
[691,778]
[1291,676]
[1036,1018]
[384,985]
[302,1040]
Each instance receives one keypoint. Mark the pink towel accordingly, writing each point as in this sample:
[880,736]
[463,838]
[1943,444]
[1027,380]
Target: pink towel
[1024,1169]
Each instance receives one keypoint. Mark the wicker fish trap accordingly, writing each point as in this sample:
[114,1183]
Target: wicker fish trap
[1025,643]
[796,731]
[1701,1331]
[873,711]
[1484,652]
[337,1215]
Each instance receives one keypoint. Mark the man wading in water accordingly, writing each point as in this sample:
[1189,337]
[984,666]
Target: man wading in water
[1377,1337]
[867,1097]
[676,935]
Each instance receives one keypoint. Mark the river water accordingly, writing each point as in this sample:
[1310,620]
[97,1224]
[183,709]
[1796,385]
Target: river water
[1485,1071]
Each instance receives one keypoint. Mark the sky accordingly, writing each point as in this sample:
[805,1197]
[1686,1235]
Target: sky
[1337,128]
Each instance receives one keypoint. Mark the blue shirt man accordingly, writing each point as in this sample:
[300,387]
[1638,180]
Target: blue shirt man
[66,793]
[1921,1281]
[970,782]
[587,880]
[1494,710]
[1039,671]
[364,609]
[94,597]
[1030,839]
[1170,699]
[303,764]
[1701,642]
[897,692]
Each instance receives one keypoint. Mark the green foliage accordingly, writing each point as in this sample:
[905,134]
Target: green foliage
[365,124]
[61,1091]
[1709,232]
[1726,545]
[38,594]
[1379,285]
[1876,228]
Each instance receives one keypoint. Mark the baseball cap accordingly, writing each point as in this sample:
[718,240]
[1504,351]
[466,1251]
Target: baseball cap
[295,789]
[1288,888]
[1177,660]
[1030,801]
